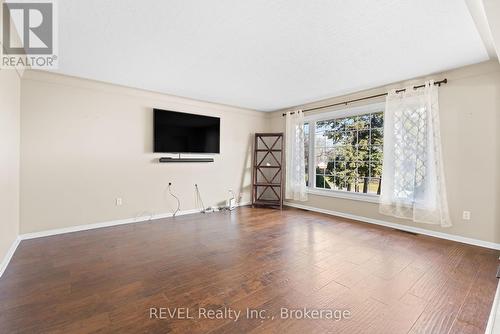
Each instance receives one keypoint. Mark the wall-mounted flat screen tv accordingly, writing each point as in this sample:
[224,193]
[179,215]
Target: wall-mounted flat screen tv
[177,132]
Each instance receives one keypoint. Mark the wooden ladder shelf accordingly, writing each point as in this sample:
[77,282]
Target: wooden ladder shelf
[267,176]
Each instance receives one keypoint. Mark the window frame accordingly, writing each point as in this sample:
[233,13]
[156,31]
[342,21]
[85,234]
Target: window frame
[328,115]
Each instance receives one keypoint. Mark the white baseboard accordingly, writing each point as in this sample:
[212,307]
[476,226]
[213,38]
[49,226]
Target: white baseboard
[8,256]
[418,230]
[77,228]
[493,326]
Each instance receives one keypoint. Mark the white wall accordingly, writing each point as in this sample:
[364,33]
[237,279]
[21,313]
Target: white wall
[9,159]
[470,129]
[84,144]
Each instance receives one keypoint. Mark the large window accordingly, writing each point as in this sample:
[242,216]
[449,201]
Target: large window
[345,152]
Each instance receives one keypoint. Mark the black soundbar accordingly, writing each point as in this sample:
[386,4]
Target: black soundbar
[167,159]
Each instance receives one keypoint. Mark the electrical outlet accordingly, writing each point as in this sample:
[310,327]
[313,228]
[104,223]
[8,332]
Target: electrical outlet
[466,215]
[119,201]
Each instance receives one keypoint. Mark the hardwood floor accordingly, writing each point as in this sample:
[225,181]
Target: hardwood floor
[107,280]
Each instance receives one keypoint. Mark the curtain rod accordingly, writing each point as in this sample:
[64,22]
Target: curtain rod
[437,83]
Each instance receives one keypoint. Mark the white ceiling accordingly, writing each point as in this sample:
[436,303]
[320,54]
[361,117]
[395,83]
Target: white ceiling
[263,54]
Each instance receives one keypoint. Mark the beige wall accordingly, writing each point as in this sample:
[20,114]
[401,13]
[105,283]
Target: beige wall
[470,125]
[84,144]
[9,159]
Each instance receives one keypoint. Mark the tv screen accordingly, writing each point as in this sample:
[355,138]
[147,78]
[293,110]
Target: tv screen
[177,132]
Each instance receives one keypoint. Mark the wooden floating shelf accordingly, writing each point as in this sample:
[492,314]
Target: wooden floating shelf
[267,202]
[264,184]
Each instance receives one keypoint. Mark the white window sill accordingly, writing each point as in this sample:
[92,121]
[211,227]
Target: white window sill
[344,195]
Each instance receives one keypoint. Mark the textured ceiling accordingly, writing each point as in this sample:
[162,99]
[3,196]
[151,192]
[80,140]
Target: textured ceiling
[263,54]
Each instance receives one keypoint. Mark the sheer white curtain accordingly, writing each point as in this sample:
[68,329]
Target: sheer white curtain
[294,150]
[413,180]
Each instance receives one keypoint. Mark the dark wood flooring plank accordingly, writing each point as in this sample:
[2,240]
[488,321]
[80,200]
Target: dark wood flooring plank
[106,280]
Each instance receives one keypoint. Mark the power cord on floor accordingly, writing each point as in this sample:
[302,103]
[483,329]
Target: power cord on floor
[199,200]
[177,198]
[143,214]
